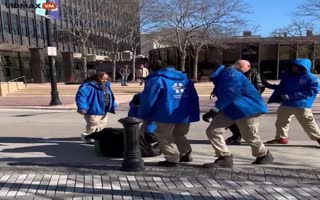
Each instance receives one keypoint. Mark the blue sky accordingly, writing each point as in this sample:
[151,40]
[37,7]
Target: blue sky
[271,14]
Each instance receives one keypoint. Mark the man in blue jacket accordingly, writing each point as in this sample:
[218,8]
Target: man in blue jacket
[238,102]
[94,100]
[170,99]
[296,92]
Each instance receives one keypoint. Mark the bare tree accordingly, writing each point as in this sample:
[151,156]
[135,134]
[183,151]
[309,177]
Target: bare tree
[83,22]
[310,8]
[180,18]
[123,28]
[295,28]
[206,36]
[142,21]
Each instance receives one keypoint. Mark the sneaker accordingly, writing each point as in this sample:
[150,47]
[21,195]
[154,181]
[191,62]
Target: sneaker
[85,140]
[233,142]
[221,162]
[167,164]
[186,157]
[278,141]
[263,160]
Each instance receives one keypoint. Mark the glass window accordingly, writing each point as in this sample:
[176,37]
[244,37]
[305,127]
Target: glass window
[32,31]
[24,24]
[39,28]
[6,27]
[15,24]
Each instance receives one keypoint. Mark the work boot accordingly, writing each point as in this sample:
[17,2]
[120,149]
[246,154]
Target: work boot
[186,157]
[166,163]
[223,162]
[263,160]
[278,141]
[85,140]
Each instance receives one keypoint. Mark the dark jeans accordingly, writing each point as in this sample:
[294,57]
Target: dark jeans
[236,135]
[124,80]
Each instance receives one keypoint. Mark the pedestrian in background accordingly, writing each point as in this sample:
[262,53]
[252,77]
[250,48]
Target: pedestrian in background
[238,102]
[94,100]
[296,92]
[142,73]
[170,99]
[124,72]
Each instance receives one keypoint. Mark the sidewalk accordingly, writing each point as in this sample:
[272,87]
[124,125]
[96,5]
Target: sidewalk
[42,102]
[161,183]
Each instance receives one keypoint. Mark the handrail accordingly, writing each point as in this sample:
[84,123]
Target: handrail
[15,80]
[20,77]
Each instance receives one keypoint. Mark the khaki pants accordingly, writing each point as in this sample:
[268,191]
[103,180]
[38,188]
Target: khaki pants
[95,123]
[172,140]
[304,117]
[249,131]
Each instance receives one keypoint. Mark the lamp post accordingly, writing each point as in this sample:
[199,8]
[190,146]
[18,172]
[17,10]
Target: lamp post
[52,68]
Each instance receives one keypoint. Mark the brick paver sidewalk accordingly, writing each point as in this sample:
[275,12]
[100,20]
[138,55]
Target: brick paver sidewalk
[162,183]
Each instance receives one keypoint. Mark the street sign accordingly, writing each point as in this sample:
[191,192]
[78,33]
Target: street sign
[52,51]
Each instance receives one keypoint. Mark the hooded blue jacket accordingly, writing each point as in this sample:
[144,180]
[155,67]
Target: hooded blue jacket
[302,88]
[90,98]
[237,97]
[134,112]
[169,97]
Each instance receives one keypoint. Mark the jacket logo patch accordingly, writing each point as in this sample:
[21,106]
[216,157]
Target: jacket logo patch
[178,88]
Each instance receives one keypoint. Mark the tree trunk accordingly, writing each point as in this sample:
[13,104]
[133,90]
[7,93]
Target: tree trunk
[134,64]
[2,72]
[84,62]
[114,67]
[183,61]
[195,66]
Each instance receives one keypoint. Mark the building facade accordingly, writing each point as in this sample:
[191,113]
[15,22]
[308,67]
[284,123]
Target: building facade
[23,37]
[270,55]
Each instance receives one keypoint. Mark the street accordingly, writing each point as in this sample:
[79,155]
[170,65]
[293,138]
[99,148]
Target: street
[42,157]
[53,137]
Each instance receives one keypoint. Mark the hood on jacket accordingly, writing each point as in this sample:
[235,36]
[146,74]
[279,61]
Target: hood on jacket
[169,73]
[303,62]
[216,72]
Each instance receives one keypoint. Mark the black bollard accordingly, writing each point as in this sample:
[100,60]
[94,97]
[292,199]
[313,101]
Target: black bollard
[132,160]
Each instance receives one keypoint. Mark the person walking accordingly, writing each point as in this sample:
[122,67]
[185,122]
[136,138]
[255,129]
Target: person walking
[142,73]
[170,99]
[296,93]
[94,100]
[238,102]
[254,77]
[124,72]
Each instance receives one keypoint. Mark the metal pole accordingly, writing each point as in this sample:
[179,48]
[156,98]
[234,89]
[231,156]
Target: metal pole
[52,68]
[278,61]
[132,160]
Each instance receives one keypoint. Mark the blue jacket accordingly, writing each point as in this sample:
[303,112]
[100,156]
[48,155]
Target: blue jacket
[90,98]
[237,97]
[301,88]
[134,112]
[169,97]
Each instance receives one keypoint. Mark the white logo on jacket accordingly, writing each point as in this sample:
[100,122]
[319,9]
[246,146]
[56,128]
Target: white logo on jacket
[178,88]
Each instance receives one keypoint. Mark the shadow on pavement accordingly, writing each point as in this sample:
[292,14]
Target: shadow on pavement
[61,152]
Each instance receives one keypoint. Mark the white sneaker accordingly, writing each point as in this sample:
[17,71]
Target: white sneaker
[85,140]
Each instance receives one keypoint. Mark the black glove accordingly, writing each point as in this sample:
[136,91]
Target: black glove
[206,117]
